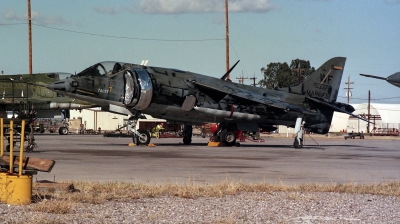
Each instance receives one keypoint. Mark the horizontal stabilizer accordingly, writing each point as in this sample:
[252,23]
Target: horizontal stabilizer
[338,109]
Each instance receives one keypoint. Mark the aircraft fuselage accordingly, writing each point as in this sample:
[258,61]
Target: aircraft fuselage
[190,98]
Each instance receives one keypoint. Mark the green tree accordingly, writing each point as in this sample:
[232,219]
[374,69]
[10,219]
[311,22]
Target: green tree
[302,69]
[282,75]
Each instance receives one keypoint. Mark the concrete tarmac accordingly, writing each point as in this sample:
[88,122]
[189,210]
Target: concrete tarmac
[96,158]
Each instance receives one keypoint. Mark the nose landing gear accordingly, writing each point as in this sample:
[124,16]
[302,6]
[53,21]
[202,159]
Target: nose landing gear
[140,136]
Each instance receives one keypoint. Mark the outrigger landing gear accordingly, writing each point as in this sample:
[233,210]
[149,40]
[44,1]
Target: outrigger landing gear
[299,131]
[140,136]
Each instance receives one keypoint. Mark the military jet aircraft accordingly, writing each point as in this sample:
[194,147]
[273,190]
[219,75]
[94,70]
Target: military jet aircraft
[25,93]
[392,79]
[190,98]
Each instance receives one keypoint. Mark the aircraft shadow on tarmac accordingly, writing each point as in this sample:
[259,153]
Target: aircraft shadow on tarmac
[261,145]
[180,144]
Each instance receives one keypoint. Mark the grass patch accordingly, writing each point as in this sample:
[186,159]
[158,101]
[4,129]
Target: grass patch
[53,206]
[62,202]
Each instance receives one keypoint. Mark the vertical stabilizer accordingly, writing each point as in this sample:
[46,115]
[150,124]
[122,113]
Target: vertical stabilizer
[324,83]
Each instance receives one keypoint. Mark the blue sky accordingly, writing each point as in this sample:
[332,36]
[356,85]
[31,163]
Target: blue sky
[69,36]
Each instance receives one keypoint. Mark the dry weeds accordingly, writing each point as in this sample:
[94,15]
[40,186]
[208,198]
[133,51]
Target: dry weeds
[53,206]
[62,202]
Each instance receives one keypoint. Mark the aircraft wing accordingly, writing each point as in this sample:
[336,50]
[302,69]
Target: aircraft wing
[373,76]
[236,92]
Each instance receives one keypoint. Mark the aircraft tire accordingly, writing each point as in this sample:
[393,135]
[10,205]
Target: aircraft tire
[63,131]
[296,144]
[228,137]
[187,140]
[30,147]
[41,128]
[216,138]
[145,140]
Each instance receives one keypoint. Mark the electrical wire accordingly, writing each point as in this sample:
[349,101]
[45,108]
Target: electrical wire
[387,98]
[119,37]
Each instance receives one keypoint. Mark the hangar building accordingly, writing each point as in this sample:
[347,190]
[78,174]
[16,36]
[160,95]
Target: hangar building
[386,118]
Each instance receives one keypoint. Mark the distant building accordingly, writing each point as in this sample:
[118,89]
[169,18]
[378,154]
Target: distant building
[384,116]
[95,118]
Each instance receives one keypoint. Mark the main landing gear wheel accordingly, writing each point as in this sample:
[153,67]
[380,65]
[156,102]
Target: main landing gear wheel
[228,137]
[143,139]
[41,128]
[187,133]
[187,140]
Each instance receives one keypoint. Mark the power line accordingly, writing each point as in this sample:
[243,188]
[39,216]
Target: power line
[120,37]
[388,98]
[12,24]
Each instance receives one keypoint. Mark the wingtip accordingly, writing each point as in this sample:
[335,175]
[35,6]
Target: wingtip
[373,76]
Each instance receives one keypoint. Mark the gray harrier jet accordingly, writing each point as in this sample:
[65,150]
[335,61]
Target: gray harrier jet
[190,98]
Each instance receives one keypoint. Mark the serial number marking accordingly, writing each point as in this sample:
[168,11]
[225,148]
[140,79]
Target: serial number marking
[103,90]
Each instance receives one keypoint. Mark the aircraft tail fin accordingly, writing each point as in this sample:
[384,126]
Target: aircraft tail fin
[324,83]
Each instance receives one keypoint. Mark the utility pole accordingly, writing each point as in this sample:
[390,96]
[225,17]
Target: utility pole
[242,78]
[30,37]
[227,36]
[348,93]
[254,79]
[299,71]
[369,109]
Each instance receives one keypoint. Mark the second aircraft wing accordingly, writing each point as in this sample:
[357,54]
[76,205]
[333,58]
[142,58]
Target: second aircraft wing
[236,92]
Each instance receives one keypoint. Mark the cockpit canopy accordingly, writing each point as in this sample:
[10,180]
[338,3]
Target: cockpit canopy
[58,75]
[106,68]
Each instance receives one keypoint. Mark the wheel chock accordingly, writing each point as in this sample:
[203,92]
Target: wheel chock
[222,144]
[132,144]
[151,145]
[216,144]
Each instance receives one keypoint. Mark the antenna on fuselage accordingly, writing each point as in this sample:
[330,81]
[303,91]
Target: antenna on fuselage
[227,73]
